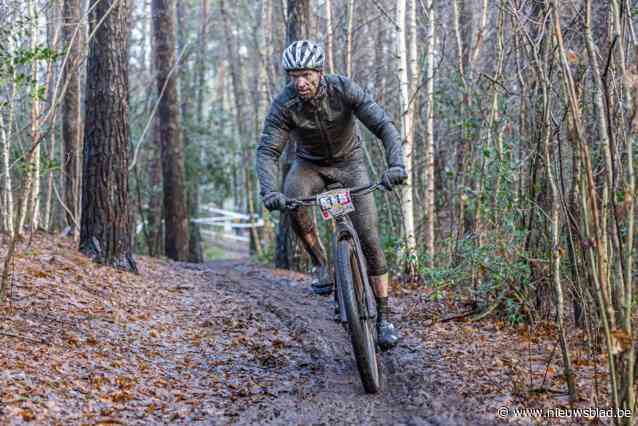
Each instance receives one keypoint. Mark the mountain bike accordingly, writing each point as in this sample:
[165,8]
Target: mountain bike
[353,295]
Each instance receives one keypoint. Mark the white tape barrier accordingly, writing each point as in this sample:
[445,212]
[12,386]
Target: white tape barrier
[228,213]
[215,222]
[226,236]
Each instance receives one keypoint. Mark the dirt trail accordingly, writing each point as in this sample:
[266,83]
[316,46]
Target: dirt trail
[293,365]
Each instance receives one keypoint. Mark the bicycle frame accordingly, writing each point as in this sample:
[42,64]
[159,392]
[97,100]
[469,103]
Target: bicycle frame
[344,229]
[353,295]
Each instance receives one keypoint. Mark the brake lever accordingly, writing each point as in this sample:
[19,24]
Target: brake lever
[382,186]
[292,205]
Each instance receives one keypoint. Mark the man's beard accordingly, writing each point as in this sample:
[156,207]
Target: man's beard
[319,94]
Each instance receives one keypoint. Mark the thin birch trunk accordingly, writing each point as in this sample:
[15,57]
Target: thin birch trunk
[33,153]
[265,73]
[8,218]
[330,67]
[461,147]
[479,37]
[430,213]
[26,189]
[349,38]
[408,143]
[35,118]
[53,33]
[413,72]
[494,125]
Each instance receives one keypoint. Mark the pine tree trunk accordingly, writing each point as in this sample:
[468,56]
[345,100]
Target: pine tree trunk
[156,228]
[287,242]
[189,78]
[245,159]
[155,241]
[176,244]
[195,241]
[105,231]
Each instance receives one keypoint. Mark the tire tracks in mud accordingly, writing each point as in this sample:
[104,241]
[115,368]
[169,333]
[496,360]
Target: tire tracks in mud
[319,383]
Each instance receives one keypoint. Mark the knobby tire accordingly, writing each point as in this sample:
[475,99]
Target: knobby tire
[349,279]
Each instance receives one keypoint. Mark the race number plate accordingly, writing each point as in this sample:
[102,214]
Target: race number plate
[335,203]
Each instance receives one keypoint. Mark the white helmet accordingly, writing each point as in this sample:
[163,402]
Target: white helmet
[303,55]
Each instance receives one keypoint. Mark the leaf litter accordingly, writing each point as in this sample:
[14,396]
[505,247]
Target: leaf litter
[194,344]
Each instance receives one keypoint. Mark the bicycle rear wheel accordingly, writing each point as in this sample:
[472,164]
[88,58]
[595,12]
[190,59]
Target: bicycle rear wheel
[349,279]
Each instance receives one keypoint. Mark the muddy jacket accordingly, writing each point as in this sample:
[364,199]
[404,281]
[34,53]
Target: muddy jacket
[326,134]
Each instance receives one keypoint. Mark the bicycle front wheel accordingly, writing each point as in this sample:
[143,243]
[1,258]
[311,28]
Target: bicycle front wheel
[350,282]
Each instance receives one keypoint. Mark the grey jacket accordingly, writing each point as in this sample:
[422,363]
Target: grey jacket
[326,134]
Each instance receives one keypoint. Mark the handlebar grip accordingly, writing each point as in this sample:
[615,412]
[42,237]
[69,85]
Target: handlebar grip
[291,204]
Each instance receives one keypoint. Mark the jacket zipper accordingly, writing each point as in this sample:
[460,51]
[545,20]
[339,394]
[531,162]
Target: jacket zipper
[324,136]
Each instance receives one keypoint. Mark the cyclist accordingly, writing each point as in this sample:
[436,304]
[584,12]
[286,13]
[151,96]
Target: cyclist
[318,111]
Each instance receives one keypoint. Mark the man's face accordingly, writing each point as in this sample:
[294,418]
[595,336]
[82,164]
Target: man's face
[306,82]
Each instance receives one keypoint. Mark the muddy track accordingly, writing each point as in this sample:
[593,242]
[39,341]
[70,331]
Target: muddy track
[311,378]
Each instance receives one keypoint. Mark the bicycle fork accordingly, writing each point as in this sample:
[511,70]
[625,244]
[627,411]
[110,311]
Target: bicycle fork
[345,230]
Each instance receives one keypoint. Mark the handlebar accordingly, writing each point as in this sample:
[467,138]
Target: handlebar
[292,204]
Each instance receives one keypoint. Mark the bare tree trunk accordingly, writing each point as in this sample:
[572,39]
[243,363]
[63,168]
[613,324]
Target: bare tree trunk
[191,79]
[379,65]
[630,94]
[30,158]
[287,242]
[408,142]
[265,50]
[9,217]
[175,215]
[413,98]
[35,121]
[349,36]
[105,230]
[155,225]
[155,241]
[245,152]
[195,240]
[264,91]
[555,229]
[330,66]
[460,22]
[494,128]
[430,214]
[596,254]
[72,125]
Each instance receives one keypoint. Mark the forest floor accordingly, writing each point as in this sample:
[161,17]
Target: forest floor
[233,342]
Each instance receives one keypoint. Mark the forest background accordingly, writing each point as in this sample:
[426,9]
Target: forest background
[519,121]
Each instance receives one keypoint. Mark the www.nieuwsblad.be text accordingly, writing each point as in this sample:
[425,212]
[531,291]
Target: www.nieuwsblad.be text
[563,413]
